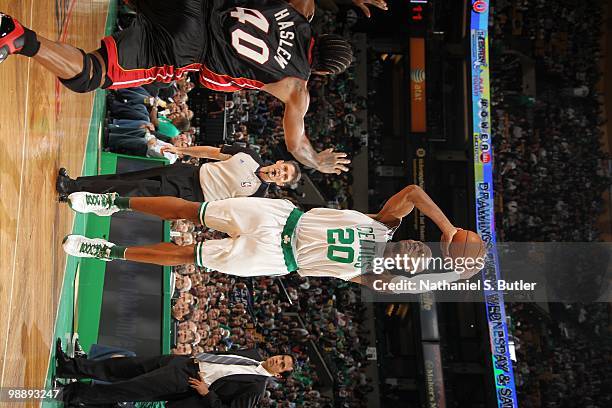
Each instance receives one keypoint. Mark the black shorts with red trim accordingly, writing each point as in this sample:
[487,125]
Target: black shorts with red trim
[166,41]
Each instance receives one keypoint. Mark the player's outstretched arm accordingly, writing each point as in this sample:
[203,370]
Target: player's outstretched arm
[362,4]
[203,152]
[294,93]
[402,204]
[304,7]
[307,7]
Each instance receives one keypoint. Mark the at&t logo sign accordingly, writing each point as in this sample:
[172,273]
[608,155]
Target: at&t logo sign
[485,147]
[485,157]
[480,6]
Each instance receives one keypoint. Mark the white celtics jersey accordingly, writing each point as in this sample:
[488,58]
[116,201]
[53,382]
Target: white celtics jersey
[234,177]
[338,243]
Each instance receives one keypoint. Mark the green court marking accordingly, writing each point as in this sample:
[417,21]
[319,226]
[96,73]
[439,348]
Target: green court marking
[91,307]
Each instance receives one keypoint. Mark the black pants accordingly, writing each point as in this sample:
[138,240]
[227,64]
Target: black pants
[177,180]
[133,379]
[127,144]
[165,38]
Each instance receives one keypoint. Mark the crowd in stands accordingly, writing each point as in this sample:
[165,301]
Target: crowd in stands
[551,173]
[550,141]
[573,365]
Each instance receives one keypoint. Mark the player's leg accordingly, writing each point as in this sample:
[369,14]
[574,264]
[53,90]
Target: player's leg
[234,216]
[143,53]
[163,253]
[247,255]
[77,70]
[167,208]
[63,60]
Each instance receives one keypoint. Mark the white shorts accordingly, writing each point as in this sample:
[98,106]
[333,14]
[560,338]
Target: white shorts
[255,227]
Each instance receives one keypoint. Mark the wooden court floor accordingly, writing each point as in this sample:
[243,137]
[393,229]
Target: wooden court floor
[42,127]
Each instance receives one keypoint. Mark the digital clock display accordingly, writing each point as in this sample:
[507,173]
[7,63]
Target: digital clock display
[417,7]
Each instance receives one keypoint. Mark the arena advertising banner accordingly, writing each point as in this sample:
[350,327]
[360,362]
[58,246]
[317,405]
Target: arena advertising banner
[485,212]
[430,330]
[434,378]
[418,122]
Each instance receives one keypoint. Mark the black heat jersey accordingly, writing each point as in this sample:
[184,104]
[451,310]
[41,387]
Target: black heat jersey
[255,42]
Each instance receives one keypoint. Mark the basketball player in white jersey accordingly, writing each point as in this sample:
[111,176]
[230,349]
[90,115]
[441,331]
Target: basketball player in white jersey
[269,237]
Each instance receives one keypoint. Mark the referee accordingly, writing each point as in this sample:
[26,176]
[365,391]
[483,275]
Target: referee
[238,172]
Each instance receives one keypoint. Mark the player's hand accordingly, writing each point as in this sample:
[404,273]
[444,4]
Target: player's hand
[376,3]
[200,386]
[446,239]
[332,162]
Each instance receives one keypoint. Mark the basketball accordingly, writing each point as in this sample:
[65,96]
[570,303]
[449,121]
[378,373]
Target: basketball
[466,244]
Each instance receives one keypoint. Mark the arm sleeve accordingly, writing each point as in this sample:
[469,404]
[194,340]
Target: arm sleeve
[236,148]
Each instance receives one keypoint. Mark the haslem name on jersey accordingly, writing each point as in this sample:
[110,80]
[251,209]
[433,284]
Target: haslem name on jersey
[283,56]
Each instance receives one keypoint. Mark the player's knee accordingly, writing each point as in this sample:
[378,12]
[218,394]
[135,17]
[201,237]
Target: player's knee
[188,210]
[173,255]
[186,255]
[89,79]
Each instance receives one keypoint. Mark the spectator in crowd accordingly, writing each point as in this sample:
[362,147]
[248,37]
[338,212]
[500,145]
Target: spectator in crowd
[140,142]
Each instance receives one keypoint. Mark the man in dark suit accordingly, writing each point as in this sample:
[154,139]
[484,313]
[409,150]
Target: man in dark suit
[235,380]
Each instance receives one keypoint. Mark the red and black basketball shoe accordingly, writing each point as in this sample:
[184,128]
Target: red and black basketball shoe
[12,36]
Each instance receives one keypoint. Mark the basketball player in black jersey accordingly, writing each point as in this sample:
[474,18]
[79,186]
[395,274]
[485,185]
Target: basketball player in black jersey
[233,44]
